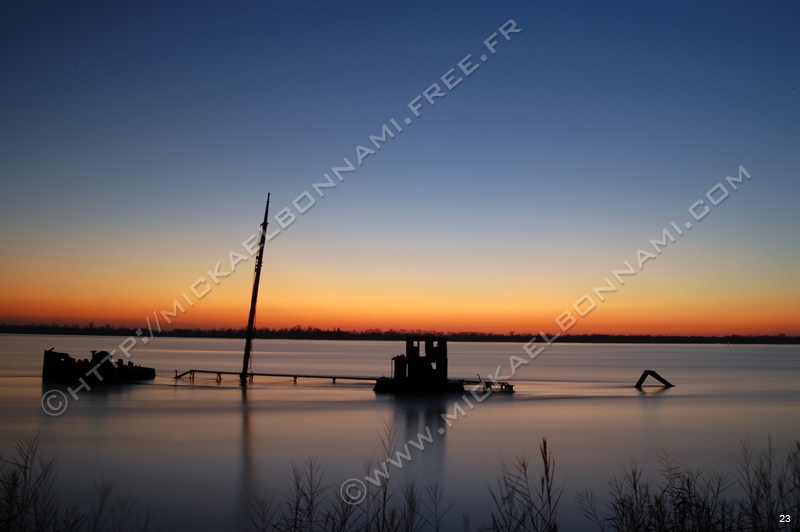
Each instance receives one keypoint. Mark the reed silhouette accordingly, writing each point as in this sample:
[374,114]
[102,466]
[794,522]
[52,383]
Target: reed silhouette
[694,500]
[767,485]
[29,501]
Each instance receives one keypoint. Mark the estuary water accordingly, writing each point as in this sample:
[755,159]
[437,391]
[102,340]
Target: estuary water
[194,454]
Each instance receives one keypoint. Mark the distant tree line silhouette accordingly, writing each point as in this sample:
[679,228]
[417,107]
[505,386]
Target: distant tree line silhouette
[313,333]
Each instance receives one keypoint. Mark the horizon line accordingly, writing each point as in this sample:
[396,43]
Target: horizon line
[311,333]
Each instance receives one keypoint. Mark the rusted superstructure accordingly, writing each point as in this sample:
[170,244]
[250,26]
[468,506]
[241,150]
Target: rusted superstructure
[420,371]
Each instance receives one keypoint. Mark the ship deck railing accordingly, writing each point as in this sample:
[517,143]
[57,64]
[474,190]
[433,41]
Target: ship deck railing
[191,373]
[504,386]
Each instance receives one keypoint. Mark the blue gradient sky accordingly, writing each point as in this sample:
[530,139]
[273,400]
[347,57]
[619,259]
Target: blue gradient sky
[138,143]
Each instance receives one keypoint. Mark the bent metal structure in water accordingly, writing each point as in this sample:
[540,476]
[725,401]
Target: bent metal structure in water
[415,372]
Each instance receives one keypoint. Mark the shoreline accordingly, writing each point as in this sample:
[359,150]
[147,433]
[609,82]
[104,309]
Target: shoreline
[310,333]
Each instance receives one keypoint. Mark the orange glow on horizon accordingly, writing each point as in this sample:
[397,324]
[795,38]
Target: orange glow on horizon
[675,301]
[623,319]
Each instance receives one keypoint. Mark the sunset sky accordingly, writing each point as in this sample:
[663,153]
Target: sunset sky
[138,143]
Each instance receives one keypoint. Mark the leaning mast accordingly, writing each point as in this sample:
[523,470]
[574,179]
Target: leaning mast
[252,318]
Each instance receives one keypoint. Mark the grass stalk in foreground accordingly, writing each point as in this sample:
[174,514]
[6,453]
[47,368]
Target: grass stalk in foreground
[694,500]
[29,501]
[767,487]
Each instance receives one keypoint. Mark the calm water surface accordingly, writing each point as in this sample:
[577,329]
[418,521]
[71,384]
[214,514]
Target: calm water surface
[194,454]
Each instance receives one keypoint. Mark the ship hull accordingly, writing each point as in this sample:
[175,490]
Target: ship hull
[61,368]
[386,385]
